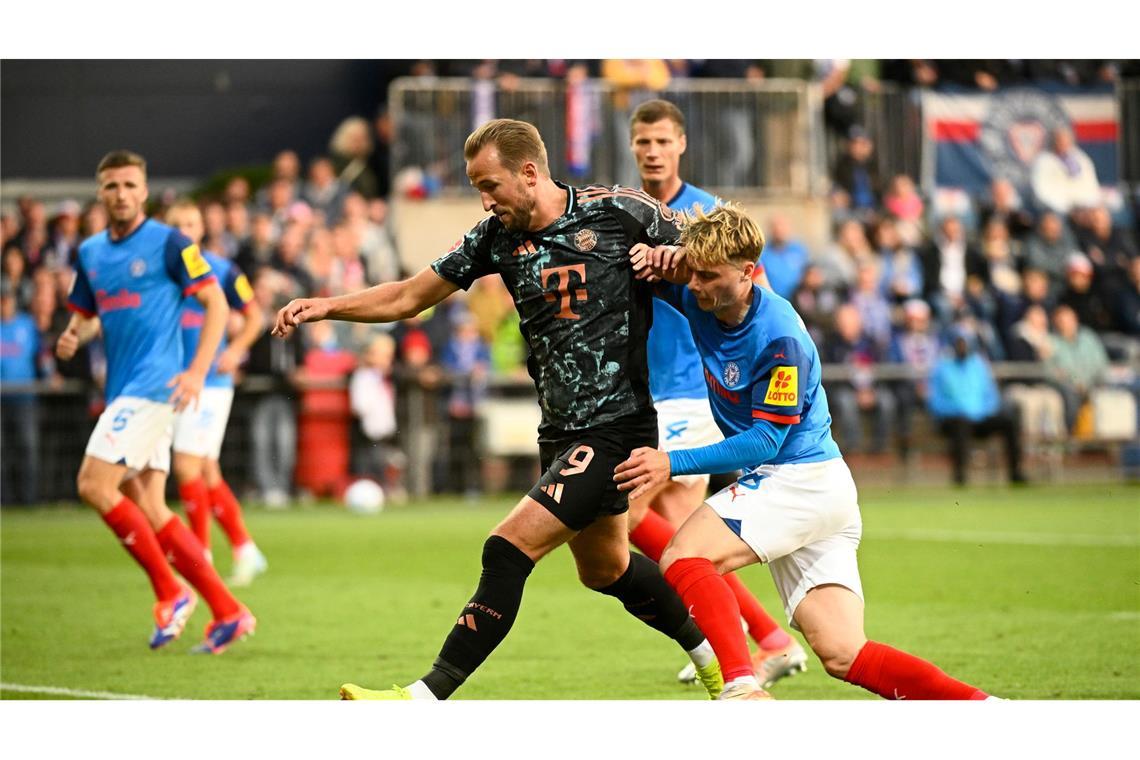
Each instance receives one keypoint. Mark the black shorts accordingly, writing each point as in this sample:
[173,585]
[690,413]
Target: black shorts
[578,483]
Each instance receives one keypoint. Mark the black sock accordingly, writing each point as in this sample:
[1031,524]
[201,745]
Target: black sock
[643,592]
[485,620]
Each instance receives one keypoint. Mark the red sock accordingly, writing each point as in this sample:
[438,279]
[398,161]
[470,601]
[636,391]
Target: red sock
[137,537]
[712,605]
[196,502]
[189,559]
[760,623]
[652,535]
[228,511]
[893,674]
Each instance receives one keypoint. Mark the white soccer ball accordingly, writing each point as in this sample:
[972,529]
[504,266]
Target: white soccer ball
[364,497]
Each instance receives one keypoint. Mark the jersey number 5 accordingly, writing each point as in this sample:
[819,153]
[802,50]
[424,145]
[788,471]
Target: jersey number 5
[562,293]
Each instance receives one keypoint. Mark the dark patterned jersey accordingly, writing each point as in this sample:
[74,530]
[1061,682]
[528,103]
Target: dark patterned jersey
[581,311]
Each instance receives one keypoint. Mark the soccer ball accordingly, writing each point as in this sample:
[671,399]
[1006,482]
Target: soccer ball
[364,497]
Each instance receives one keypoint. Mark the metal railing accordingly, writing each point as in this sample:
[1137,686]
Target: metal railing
[759,136]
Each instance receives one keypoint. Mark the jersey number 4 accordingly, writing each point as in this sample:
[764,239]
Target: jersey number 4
[562,293]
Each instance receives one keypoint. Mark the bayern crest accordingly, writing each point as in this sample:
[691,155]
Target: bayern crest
[731,374]
[585,240]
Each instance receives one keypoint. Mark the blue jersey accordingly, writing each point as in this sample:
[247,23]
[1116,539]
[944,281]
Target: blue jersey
[238,295]
[768,368]
[674,365]
[136,286]
[19,347]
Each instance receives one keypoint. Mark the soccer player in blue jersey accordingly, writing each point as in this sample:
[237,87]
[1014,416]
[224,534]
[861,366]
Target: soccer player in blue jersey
[796,508]
[130,281]
[198,433]
[684,419]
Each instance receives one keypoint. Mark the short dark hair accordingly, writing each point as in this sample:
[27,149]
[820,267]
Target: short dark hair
[117,159]
[653,111]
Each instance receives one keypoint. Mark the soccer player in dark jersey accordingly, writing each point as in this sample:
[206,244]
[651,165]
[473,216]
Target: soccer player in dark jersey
[796,508]
[563,255]
[130,281]
[684,418]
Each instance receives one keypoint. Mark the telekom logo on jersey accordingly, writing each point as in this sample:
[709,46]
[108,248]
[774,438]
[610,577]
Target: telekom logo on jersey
[124,299]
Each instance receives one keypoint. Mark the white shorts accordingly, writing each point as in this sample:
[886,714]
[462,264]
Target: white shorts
[686,423]
[802,520]
[135,432]
[199,432]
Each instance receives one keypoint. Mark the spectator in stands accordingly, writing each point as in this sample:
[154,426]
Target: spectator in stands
[1091,307]
[903,202]
[15,275]
[1001,258]
[730,140]
[947,262]
[916,346]
[380,160]
[1078,361]
[815,302]
[279,198]
[63,238]
[20,351]
[323,191]
[901,276]
[351,150]
[840,264]
[843,82]
[965,402]
[1050,247]
[368,220]
[1004,203]
[94,220]
[348,269]
[856,176]
[273,365]
[1127,303]
[852,399]
[237,191]
[287,260]
[785,257]
[237,224]
[216,237]
[467,359]
[9,227]
[1111,250]
[873,306]
[257,249]
[33,235]
[1064,178]
[372,394]
[286,171]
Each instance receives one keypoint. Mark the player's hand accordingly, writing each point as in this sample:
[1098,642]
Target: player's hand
[298,311]
[639,259]
[645,469]
[67,344]
[187,387]
[229,361]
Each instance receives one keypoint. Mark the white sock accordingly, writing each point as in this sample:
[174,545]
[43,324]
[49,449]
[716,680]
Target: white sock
[743,680]
[419,690]
[703,654]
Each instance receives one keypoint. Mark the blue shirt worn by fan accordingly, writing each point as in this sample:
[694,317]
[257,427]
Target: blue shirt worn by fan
[764,384]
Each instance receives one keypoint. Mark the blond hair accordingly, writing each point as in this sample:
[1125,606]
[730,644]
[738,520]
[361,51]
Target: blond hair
[117,159]
[516,141]
[180,205]
[725,234]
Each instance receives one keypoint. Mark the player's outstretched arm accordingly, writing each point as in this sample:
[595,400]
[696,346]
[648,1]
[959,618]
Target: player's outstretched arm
[386,302]
[187,385]
[79,331]
[663,262]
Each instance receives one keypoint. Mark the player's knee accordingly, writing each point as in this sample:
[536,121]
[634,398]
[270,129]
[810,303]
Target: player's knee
[836,657]
[602,574]
[502,559]
[187,468]
[94,490]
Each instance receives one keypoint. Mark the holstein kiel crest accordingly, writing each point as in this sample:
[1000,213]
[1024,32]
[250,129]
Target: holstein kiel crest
[731,374]
[585,240]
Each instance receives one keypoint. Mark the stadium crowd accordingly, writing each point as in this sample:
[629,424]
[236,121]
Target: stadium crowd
[1046,276]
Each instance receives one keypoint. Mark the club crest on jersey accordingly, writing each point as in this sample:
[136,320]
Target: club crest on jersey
[731,374]
[138,268]
[783,387]
[585,240]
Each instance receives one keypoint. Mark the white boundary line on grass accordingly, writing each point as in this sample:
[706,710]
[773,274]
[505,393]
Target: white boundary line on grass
[76,693]
[998,537]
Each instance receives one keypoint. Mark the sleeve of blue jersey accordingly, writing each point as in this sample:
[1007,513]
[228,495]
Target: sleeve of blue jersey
[229,287]
[670,294]
[177,266]
[759,444]
[782,374]
[81,298]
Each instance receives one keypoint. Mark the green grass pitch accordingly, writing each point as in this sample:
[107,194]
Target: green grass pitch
[1030,594]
